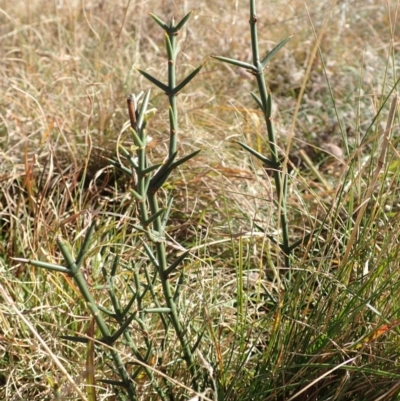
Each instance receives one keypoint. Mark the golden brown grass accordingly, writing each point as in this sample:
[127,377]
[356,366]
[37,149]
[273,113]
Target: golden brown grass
[67,67]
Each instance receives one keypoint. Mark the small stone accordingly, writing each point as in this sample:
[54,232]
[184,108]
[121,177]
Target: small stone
[334,150]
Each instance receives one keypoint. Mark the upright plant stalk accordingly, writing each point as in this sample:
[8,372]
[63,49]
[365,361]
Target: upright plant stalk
[148,188]
[150,216]
[149,179]
[173,122]
[73,270]
[172,89]
[264,101]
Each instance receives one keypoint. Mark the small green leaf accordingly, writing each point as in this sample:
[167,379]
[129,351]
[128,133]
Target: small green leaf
[175,264]
[128,307]
[183,21]
[258,100]
[283,248]
[143,109]
[150,169]
[271,238]
[197,343]
[122,329]
[137,196]
[178,287]
[132,162]
[157,183]
[153,217]
[151,255]
[237,63]
[85,246]
[184,159]
[170,50]
[182,84]
[119,166]
[114,301]
[129,157]
[139,228]
[159,21]
[155,81]
[162,174]
[273,52]
[44,265]
[149,353]
[106,311]
[167,213]
[259,156]
[147,183]
[67,255]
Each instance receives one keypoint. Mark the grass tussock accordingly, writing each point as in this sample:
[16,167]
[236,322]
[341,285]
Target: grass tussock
[237,318]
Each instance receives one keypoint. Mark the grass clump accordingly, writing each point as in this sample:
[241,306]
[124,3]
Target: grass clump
[136,267]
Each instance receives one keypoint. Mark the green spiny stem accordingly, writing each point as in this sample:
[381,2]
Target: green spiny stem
[91,303]
[151,284]
[139,131]
[172,90]
[129,340]
[148,371]
[173,127]
[157,223]
[253,32]
[280,177]
[168,293]
[149,192]
[162,262]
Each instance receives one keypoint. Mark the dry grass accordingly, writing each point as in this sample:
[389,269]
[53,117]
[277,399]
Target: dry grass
[66,70]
